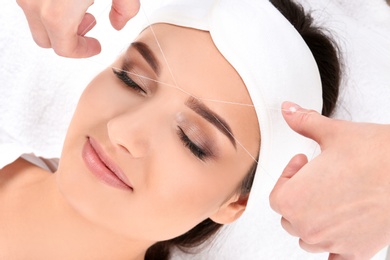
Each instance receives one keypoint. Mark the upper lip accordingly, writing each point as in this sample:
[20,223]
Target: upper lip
[110,164]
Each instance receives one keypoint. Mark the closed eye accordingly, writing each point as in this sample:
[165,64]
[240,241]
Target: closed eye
[195,149]
[125,78]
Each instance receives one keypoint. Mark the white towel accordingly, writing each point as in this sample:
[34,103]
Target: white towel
[39,91]
[362,29]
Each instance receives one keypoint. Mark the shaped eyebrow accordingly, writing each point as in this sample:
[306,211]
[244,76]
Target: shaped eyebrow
[148,55]
[196,105]
[201,109]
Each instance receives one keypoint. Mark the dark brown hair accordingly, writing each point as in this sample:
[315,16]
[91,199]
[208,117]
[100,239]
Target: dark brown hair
[326,54]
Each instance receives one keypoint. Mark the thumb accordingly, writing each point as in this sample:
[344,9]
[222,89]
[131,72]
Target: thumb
[308,123]
[122,11]
[294,165]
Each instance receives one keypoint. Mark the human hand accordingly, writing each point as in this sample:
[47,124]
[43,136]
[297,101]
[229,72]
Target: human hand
[340,201]
[62,24]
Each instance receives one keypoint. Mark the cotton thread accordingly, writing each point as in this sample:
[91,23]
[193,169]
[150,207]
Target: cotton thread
[176,86]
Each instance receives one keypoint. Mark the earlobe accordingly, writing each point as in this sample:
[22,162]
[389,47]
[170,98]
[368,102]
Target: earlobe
[231,210]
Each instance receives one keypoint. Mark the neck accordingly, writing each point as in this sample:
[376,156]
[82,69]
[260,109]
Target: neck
[41,222]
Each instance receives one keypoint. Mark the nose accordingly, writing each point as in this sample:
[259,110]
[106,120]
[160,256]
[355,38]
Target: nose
[134,130]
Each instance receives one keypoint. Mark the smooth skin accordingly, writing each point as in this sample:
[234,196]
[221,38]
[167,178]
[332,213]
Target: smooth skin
[340,201]
[72,214]
[62,24]
[346,186]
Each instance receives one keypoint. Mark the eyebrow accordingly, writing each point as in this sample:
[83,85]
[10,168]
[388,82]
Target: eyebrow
[201,109]
[148,55]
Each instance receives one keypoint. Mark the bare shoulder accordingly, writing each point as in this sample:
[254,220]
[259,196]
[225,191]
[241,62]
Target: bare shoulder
[20,174]
[20,191]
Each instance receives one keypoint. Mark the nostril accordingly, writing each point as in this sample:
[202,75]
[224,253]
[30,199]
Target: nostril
[128,138]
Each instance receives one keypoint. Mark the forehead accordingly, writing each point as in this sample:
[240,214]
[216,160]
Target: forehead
[189,60]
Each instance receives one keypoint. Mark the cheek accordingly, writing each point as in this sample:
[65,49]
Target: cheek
[181,193]
[106,97]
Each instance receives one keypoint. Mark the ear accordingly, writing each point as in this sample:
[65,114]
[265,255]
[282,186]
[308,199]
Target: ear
[231,210]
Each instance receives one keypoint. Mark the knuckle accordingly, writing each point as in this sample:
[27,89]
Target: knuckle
[43,43]
[310,235]
[273,198]
[274,204]
[281,203]
[56,16]
[304,118]
[63,51]
[41,38]
[287,205]
[51,18]
[64,46]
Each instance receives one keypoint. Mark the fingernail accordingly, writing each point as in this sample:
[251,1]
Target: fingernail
[290,108]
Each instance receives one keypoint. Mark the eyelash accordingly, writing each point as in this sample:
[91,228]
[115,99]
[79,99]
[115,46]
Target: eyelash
[196,150]
[124,77]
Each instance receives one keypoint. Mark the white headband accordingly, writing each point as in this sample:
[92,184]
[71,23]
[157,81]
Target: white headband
[272,59]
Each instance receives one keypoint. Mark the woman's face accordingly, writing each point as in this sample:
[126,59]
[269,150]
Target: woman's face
[183,157]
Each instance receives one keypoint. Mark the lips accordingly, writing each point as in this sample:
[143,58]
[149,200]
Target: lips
[102,167]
